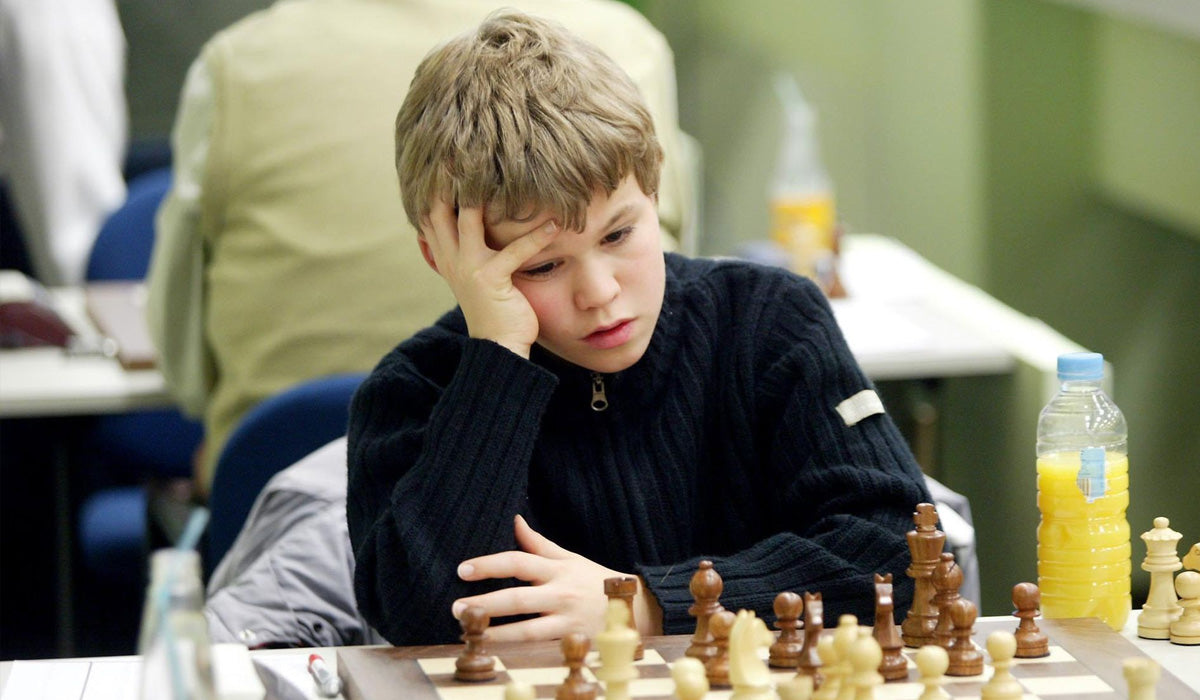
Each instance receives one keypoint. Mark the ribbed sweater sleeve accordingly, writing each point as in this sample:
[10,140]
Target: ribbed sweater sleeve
[436,476]
[843,494]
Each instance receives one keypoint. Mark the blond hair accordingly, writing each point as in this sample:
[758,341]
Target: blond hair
[521,117]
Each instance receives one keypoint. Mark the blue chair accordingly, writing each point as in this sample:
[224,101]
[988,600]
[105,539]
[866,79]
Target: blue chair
[272,436]
[113,524]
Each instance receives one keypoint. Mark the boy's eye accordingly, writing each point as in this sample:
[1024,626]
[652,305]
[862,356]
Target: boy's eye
[618,235]
[540,270]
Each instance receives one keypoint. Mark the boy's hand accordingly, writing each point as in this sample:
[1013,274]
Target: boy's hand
[481,278]
[567,590]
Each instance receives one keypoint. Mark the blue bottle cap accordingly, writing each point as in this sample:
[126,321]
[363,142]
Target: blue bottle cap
[1080,365]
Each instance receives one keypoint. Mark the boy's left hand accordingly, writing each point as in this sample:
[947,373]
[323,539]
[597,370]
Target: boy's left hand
[567,592]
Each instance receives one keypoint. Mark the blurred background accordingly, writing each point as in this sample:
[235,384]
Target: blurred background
[1047,152]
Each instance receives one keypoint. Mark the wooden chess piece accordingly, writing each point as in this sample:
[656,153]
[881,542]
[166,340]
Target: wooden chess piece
[1191,560]
[947,578]
[832,684]
[474,664]
[1002,685]
[965,657]
[932,662]
[690,681]
[1141,674]
[717,668]
[809,663]
[617,645]
[625,589]
[843,637]
[706,586]
[785,652]
[1186,630]
[1162,561]
[865,657]
[1031,643]
[925,544]
[748,672]
[894,666]
[796,688]
[575,646]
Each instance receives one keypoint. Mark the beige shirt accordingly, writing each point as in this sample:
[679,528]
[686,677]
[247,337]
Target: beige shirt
[283,252]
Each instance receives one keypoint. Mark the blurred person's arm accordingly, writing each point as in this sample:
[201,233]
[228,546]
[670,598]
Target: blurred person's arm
[175,282]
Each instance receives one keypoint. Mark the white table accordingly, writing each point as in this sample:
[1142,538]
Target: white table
[117,677]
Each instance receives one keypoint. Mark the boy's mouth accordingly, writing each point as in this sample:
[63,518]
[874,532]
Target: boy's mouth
[610,336]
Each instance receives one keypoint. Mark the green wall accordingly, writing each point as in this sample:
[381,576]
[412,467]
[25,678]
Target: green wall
[1045,152]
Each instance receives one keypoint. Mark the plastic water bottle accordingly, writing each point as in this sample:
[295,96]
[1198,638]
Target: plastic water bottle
[1083,491]
[174,643]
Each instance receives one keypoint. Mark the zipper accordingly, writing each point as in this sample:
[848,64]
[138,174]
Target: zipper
[599,399]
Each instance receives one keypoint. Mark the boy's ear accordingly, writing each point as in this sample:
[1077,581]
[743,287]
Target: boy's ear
[427,253]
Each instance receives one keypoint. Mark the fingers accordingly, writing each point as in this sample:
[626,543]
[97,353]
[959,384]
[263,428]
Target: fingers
[532,541]
[519,565]
[535,629]
[518,600]
[515,254]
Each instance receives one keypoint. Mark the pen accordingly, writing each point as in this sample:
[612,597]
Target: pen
[328,685]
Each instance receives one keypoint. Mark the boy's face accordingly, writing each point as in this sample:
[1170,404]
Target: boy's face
[597,293]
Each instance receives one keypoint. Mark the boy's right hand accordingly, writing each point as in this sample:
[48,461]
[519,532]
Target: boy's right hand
[481,278]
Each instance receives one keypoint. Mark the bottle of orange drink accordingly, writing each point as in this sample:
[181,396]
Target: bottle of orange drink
[1083,490]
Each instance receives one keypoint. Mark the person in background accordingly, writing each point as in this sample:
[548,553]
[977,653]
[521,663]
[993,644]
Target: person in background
[594,408]
[276,259]
[63,127]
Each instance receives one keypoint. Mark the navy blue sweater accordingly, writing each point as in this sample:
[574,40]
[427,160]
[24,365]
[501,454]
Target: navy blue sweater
[722,442]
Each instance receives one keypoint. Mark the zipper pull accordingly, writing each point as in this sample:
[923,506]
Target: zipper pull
[599,399]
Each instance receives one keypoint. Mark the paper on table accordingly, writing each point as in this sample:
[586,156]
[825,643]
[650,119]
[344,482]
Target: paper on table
[46,680]
[113,680]
[872,327]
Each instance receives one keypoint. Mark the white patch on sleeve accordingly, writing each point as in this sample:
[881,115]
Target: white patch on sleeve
[864,403]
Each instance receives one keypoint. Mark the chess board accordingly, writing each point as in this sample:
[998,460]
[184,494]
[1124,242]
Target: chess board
[1084,662]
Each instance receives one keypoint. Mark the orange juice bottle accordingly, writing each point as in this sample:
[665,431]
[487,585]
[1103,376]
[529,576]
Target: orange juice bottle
[1083,548]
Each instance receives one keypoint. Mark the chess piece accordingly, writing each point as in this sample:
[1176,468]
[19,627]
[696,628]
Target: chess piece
[785,652]
[1002,685]
[748,673]
[1141,674]
[965,657]
[1186,630]
[947,578]
[1162,561]
[474,664]
[1031,643]
[796,688]
[690,682]
[706,586]
[925,545]
[894,666]
[625,588]
[1191,560]
[832,684]
[720,626]
[865,656]
[617,645]
[575,646]
[843,637]
[932,662]
[517,690]
[809,663]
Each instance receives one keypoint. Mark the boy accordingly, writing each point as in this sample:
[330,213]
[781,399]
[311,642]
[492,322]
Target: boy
[594,408]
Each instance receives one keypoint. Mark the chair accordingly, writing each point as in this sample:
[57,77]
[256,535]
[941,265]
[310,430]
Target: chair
[273,435]
[113,524]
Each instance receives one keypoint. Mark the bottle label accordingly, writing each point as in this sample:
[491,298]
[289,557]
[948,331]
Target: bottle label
[1092,480]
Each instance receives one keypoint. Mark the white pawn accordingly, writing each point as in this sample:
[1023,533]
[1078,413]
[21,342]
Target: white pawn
[516,690]
[843,639]
[1002,646]
[1141,674]
[830,668]
[932,662]
[691,683]
[799,687]
[865,656]
[617,645]
[1186,630]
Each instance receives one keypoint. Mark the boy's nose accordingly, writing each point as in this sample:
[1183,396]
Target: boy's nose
[596,286]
